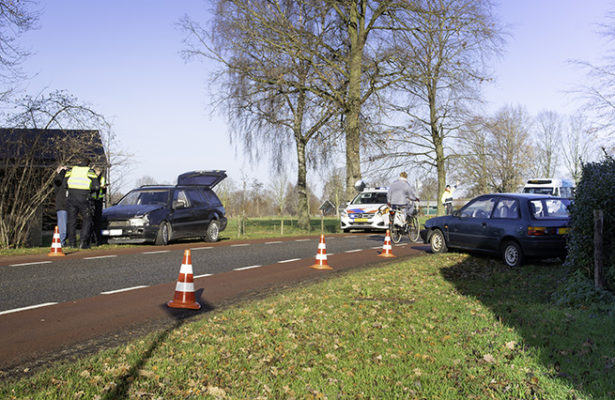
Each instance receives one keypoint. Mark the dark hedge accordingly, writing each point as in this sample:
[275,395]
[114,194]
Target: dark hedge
[595,191]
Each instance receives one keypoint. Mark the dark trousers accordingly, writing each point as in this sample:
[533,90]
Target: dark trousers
[97,207]
[78,203]
[449,208]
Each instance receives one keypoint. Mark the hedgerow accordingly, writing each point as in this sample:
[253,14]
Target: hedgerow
[595,191]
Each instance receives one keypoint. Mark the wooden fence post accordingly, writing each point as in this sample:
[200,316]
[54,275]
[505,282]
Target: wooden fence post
[598,250]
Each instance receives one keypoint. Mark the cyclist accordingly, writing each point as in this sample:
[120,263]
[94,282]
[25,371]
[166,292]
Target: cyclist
[401,195]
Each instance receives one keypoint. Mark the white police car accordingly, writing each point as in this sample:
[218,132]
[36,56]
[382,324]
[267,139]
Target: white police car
[362,212]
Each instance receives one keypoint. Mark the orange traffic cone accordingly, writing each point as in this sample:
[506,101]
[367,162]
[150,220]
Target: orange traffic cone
[321,255]
[184,290]
[387,249]
[56,244]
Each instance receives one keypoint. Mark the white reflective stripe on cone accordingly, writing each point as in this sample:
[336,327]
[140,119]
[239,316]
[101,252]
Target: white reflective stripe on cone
[185,269]
[184,287]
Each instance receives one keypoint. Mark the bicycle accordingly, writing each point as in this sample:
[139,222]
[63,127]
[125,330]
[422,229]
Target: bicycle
[399,225]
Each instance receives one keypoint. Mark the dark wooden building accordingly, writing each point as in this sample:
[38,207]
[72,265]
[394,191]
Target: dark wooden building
[28,160]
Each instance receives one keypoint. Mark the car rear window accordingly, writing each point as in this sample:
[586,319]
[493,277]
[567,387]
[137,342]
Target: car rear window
[370,198]
[549,208]
[211,198]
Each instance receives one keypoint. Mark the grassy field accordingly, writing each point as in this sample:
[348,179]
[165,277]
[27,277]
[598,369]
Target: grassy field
[447,326]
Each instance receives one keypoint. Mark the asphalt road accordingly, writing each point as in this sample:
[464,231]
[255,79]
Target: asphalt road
[27,283]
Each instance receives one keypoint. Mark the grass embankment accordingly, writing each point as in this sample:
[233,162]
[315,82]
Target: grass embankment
[435,327]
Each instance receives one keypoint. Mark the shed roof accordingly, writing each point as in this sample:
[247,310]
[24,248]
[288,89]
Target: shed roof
[49,146]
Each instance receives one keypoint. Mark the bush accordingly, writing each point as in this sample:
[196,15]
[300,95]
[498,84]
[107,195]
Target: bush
[578,291]
[595,191]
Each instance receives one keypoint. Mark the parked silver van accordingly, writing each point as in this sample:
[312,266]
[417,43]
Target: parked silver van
[553,187]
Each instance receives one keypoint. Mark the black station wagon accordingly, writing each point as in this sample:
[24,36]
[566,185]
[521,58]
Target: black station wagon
[161,213]
[512,225]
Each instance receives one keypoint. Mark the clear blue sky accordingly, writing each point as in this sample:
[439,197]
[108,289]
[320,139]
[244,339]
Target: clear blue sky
[122,57]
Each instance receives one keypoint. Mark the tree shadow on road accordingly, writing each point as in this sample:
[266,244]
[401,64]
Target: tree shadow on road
[575,345]
[180,316]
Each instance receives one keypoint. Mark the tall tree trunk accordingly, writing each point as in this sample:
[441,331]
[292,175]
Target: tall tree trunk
[438,142]
[303,211]
[303,217]
[356,31]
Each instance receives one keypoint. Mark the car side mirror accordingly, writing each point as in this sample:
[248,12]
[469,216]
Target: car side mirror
[457,214]
[179,204]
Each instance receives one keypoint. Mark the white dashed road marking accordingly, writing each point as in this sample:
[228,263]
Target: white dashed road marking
[353,251]
[250,267]
[32,263]
[201,248]
[156,252]
[287,261]
[274,242]
[240,245]
[123,290]
[201,276]
[97,257]
[26,308]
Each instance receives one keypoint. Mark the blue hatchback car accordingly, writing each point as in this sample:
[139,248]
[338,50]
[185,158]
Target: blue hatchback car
[513,225]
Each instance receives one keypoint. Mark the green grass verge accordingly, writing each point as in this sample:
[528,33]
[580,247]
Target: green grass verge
[435,327]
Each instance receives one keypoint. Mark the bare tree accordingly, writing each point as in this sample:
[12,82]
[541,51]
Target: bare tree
[16,17]
[578,145]
[334,189]
[599,95]
[28,163]
[474,156]
[509,148]
[146,180]
[548,138]
[444,51]
[268,78]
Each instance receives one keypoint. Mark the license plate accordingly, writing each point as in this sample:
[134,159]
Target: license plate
[360,220]
[563,231]
[115,232]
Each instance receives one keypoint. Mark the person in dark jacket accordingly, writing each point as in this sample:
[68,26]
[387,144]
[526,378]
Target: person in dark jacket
[81,180]
[98,199]
[59,185]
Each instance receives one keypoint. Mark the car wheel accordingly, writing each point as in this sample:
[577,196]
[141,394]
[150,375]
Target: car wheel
[345,230]
[212,234]
[164,234]
[512,254]
[437,242]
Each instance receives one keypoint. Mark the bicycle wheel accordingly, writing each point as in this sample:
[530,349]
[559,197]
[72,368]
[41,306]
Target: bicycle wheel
[414,232]
[395,234]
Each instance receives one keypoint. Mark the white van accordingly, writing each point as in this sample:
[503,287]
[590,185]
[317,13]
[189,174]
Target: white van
[553,187]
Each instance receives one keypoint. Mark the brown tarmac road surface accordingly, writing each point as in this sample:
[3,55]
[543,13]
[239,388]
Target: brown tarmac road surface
[34,338]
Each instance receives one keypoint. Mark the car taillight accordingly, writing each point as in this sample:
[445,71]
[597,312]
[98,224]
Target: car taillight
[536,231]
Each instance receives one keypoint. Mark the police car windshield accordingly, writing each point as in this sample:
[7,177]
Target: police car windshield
[370,198]
[146,197]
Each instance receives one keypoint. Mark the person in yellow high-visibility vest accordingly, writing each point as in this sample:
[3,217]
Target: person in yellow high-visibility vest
[81,180]
[447,199]
[98,198]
